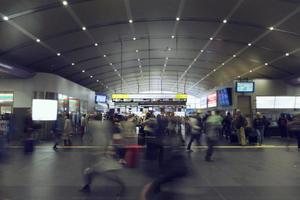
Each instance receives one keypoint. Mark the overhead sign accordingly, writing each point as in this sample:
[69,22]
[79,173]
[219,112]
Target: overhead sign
[120,96]
[149,96]
[6,97]
[212,100]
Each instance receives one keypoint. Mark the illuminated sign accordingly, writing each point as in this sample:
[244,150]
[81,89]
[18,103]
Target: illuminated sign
[120,96]
[6,97]
[181,96]
[212,100]
[149,96]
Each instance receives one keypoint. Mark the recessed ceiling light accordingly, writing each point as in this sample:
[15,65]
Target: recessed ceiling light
[139,59]
[224,21]
[115,70]
[110,64]
[58,54]
[106,86]
[5,18]
[167,58]
[134,38]
[250,71]
[266,64]
[37,40]
[271,28]
[72,64]
[202,50]
[249,44]
[83,28]
[195,60]
[65,3]
[215,70]
[119,74]
[97,81]
[104,56]
[83,71]
[91,76]
[136,50]
[96,44]
[239,76]
[234,55]
[140,66]
[169,49]
[130,21]
[141,71]
[287,54]
[165,65]
[223,64]
[211,38]
[173,36]
[177,18]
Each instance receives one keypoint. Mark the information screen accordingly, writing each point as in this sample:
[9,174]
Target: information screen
[212,100]
[265,102]
[100,99]
[224,97]
[203,102]
[287,102]
[244,87]
[44,110]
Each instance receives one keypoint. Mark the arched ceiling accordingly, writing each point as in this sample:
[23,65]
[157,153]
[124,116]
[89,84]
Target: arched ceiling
[170,45]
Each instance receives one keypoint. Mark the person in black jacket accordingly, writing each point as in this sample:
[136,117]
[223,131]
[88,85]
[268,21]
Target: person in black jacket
[258,125]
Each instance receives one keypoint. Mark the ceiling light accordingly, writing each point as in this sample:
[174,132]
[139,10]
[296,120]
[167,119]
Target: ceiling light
[202,50]
[271,28]
[239,76]
[266,64]
[119,74]
[169,49]
[234,55]
[195,60]
[5,18]
[177,18]
[211,38]
[167,58]
[96,44]
[104,56]
[224,21]
[58,54]
[173,36]
[134,38]
[250,71]
[106,86]
[139,59]
[249,44]
[91,76]
[165,65]
[97,81]
[110,64]
[65,3]
[72,64]
[83,71]
[83,28]
[287,54]
[130,21]
[215,70]
[223,64]
[115,70]
[140,66]
[37,40]
[136,50]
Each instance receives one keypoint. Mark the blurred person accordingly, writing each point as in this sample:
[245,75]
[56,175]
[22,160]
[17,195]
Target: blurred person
[240,123]
[68,130]
[58,130]
[294,127]
[107,167]
[196,128]
[28,124]
[227,125]
[213,126]
[282,124]
[83,125]
[258,125]
[266,125]
[150,132]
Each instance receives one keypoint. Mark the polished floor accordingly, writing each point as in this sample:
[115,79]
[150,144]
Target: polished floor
[261,173]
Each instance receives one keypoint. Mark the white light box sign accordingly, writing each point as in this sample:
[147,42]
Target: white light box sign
[265,102]
[44,110]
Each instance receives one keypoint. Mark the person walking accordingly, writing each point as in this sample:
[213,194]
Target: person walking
[258,125]
[196,129]
[83,125]
[240,124]
[294,127]
[227,125]
[58,130]
[68,130]
[213,126]
[282,124]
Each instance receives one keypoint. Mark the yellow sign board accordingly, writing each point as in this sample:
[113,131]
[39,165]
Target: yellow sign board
[120,96]
[181,96]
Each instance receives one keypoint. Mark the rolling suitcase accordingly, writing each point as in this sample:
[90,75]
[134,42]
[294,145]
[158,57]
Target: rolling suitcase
[28,146]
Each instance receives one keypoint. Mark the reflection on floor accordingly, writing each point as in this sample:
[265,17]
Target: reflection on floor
[256,174]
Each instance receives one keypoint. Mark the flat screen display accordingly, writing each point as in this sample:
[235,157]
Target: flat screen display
[244,87]
[44,110]
[212,100]
[285,102]
[224,97]
[265,102]
[203,102]
[100,99]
